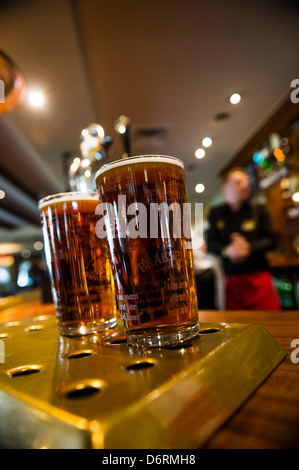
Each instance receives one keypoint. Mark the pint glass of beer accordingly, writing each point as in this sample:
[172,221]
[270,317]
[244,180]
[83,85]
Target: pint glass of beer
[141,203]
[78,262]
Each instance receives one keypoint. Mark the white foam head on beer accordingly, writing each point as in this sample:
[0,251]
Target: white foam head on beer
[140,159]
[67,197]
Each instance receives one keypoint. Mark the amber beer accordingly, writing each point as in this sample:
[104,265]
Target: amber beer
[153,272]
[78,262]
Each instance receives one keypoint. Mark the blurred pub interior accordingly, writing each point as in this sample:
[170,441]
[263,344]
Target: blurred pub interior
[171,67]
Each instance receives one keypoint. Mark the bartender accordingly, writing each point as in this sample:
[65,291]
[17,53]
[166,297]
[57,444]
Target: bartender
[240,232]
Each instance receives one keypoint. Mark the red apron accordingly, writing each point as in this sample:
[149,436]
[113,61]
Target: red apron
[252,291]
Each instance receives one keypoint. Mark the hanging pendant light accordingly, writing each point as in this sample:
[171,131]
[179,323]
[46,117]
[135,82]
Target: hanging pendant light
[12,84]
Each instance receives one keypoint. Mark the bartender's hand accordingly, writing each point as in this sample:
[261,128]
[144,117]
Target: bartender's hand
[239,248]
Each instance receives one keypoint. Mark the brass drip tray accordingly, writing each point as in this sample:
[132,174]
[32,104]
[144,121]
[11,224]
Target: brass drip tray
[97,392]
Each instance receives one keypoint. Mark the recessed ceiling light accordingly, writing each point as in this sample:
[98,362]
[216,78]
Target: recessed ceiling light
[235,98]
[26,253]
[38,245]
[36,99]
[207,142]
[295,197]
[200,153]
[199,188]
[2,194]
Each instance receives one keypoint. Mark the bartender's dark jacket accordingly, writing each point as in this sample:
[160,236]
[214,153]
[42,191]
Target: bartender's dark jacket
[253,222]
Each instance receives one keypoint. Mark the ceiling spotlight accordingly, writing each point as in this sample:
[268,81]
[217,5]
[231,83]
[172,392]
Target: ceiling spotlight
[199,188]
[2,194]
[200,153]
[36,99]
[235,98]
[207,142]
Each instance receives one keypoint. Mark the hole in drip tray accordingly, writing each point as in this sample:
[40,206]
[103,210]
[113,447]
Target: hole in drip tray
[115,340]
[13,323]
[180,346]
[140,365]
[82,392]
[79,354]
[118,341]
[83,389]
[43,317]
[208,331]
[34,328]
[24,370]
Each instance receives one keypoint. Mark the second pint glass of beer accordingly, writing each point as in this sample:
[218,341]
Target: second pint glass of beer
[78,262]
[141,204]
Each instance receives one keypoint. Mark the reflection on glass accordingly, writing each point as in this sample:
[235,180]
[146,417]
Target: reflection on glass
[24,279]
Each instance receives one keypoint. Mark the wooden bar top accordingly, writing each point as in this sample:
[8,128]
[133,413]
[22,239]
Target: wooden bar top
[270,417]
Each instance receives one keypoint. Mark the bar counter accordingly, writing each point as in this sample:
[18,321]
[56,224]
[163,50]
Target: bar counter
[283,261]
[269,419]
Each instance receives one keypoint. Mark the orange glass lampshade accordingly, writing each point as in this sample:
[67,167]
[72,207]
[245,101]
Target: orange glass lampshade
[12,84]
